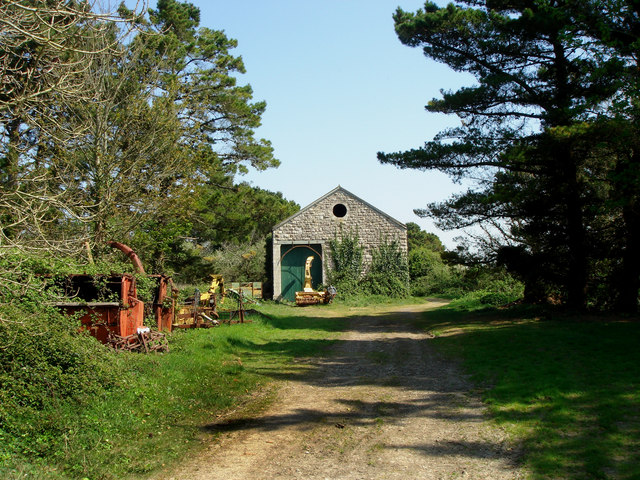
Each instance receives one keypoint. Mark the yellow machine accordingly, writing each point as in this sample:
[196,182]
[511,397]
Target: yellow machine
[309,296]
[202,309]
[215,289]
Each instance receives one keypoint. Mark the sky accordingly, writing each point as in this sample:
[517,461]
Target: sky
[339,88]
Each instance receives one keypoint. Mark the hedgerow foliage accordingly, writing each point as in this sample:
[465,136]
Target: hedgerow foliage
[46,365]
[430,275]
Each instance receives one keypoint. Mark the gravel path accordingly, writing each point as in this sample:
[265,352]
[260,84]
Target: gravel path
[383,405]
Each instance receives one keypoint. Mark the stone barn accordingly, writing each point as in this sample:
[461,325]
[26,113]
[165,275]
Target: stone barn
[309,231]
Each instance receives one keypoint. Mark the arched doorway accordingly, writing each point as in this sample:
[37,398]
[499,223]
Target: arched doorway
[292,260]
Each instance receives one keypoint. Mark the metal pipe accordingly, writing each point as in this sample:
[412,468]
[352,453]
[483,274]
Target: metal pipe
[135,260]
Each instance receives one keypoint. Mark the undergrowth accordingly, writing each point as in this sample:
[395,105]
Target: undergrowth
[72,408]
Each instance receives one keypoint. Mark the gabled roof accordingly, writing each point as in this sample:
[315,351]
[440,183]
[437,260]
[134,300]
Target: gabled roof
[336,190]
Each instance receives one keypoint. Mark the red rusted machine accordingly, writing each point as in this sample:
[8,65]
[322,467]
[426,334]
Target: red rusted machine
[163,302]
[120,313]
[108,305]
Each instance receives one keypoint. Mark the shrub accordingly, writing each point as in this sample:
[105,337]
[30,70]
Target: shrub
[379,283]
[430,275]
[442,279]
[422,261]
[481,284]
[48,373]
[347,256]
[243,262]
[49,370]
[491,287]
[502,290]
[389,272]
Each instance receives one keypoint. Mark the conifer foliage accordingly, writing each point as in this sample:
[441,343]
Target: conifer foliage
[551,78]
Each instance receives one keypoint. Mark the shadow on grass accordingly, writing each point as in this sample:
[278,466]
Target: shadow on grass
[399,357]
[570,389]
[338,317]
[291,319]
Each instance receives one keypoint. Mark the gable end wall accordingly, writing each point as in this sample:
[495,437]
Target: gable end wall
[317,224]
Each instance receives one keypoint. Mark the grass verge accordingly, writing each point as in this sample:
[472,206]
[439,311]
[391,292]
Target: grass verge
[156,408]
[566,387]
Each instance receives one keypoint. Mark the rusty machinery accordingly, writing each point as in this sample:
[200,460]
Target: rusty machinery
[119,321]
[201,310]
[205,309]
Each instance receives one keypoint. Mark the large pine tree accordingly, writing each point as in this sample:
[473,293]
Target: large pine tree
[525,125]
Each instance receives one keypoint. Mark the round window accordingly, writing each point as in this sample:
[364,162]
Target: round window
[339,210]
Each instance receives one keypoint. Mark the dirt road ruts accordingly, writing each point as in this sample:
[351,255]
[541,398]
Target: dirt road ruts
[381,405]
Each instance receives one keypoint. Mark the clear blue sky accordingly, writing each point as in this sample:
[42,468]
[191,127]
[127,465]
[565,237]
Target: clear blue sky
[339,87]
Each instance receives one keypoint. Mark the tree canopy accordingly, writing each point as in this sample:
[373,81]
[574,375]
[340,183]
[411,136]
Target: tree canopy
[129,126]
[551,79]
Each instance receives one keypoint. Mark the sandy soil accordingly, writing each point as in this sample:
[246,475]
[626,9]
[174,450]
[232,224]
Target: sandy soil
[382,405]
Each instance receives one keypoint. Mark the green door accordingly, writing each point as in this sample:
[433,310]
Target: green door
[292,270]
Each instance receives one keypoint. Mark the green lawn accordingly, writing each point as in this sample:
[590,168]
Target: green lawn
[162,403]
[568,388]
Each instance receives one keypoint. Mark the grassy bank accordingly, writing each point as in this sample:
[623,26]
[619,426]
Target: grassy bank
[568,387]
[157,406]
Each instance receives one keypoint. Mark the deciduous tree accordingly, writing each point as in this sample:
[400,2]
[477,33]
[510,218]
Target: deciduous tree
[47,49]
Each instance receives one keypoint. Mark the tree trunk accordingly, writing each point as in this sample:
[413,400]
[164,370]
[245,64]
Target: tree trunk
[576,282]
[629,276]
[9,175]
[577,278]
[10,166]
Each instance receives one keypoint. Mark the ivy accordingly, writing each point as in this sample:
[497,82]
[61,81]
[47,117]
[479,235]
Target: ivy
[389,271]
[347,256]
[387,275]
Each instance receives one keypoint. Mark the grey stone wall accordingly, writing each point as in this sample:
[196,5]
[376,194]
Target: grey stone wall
[318,224]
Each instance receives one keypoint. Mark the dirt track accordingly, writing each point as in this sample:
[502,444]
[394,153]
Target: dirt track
[383,405]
